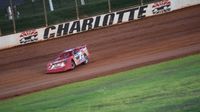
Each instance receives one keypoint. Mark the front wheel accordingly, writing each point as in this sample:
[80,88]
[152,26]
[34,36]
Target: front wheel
[86,59]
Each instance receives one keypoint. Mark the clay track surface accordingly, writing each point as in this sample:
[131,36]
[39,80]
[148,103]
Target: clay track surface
[113,49]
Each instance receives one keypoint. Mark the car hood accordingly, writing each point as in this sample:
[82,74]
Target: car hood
[57,61]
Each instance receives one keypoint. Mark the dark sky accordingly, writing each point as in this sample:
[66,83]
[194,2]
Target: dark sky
[5,3]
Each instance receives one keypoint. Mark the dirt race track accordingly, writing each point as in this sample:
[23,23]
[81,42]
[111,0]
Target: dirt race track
[112,49]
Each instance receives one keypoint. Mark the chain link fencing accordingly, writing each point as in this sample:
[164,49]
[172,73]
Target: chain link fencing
[20,15]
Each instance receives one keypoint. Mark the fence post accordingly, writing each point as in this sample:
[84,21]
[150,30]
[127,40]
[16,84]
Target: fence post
[109,6]
[82,2]
[45,13]
[141,2]
[13,17]
[77,11]
[51,5]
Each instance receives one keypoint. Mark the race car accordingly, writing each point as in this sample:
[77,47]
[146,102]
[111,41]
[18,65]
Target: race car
[69,59]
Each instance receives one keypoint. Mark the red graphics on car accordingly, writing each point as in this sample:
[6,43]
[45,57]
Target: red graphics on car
[69,59]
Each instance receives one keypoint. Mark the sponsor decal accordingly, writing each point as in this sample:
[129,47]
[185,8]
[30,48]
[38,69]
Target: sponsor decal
[161,7]
[28,36]
[95,22]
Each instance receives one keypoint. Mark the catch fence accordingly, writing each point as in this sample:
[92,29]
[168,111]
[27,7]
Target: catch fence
[20,15]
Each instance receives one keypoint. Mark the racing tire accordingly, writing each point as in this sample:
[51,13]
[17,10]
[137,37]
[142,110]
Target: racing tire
[73,64]
[86,59]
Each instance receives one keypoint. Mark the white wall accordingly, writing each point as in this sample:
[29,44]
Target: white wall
[8,41]
[178,4]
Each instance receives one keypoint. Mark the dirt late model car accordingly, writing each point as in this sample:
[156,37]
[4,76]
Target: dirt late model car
[68,60]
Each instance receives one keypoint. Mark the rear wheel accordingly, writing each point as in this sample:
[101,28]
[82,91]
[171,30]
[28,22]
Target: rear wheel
[73,65]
